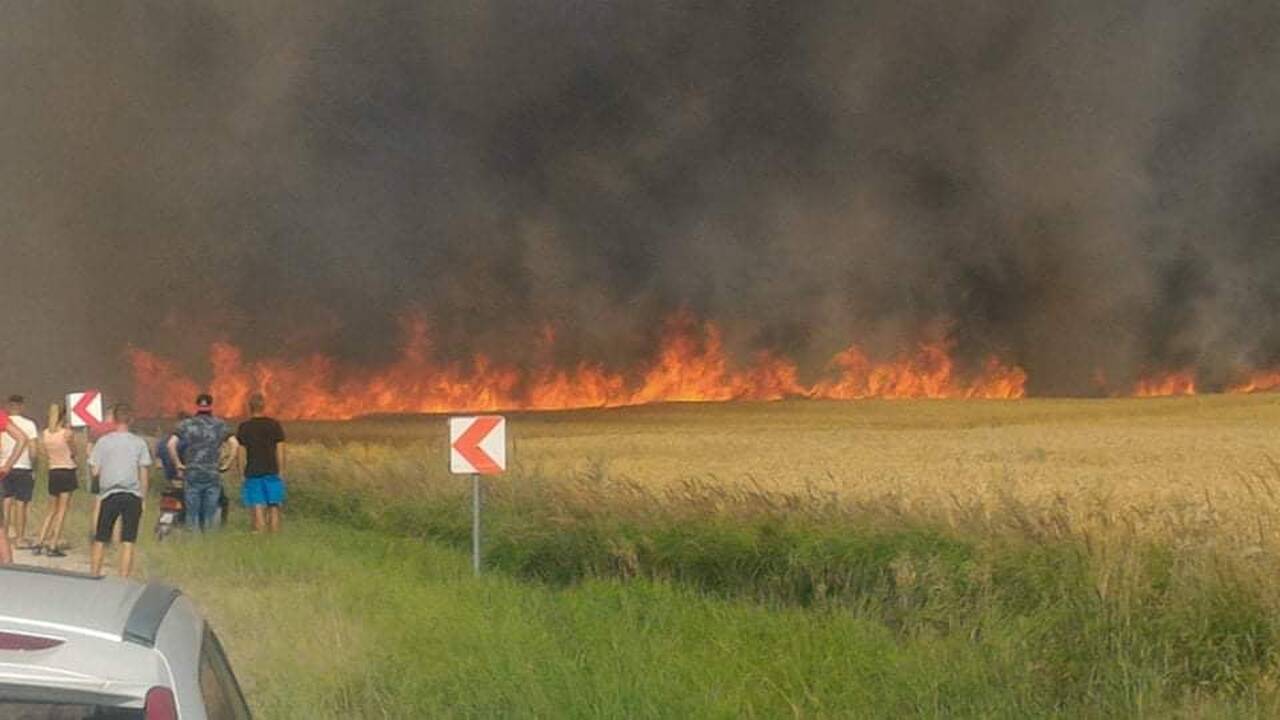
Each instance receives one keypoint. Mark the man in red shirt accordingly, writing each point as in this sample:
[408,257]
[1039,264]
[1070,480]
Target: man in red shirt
[20,444]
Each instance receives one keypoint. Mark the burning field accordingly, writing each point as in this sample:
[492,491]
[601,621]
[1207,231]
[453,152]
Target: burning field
[384,207]
[689,364]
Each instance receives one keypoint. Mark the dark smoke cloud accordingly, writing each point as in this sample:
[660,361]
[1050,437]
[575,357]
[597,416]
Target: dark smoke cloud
[1078,186]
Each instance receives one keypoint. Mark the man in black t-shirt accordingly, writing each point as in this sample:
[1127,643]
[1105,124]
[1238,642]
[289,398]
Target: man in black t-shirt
[262,456]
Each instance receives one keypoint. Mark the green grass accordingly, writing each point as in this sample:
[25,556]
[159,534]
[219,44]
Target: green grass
[329,621]
[1207,619]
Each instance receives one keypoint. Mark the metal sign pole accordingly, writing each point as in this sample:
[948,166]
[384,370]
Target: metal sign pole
[81,439]
[477,446]
[475,522]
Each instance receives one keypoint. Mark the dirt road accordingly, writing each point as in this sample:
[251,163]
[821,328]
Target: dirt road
[77,560]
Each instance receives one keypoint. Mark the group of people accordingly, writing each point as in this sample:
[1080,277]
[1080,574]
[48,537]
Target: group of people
[19,444]
[194,456]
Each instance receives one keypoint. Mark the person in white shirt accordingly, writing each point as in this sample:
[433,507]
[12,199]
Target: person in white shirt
[6,465]
[20,483]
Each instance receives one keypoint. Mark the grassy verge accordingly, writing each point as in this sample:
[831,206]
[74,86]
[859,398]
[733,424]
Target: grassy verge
[1191,627]
[329,622]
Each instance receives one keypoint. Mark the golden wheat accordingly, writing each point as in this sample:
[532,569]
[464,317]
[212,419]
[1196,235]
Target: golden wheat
[1194,472]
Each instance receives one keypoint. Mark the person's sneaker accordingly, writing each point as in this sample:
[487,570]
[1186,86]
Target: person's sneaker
[38,550]
[55,552]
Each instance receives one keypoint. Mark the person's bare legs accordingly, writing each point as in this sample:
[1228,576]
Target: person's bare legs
[60,517]
[274,518]
[95,558]
[8,516]
[97,510]
[47,525]
[257,521]
[6,553]
[20,510]
[51,530]
[126,559]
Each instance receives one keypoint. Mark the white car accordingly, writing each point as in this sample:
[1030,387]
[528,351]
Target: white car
[75,647]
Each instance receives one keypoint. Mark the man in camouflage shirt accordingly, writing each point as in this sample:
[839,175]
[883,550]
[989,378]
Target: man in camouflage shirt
[201,437]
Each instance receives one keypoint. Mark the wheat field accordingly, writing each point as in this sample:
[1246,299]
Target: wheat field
[1186,469]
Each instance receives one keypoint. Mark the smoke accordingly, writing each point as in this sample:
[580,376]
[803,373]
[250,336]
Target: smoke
[1082,188]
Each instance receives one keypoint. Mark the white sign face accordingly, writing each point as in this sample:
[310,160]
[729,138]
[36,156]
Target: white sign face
[478,445]
[84,409]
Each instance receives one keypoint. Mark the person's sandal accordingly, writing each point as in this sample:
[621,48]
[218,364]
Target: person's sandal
[38,550]
[55,553]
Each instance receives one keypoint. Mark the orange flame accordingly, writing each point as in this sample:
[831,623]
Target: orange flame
[1184,383]
[690,365]
[930,373]
[1262,381]
[1166,384]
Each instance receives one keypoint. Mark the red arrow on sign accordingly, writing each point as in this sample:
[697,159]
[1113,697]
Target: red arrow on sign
[468,445]
[82,411]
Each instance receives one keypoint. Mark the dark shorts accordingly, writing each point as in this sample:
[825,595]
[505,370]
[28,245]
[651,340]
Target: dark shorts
[62,481]
[119,506]
[20,484]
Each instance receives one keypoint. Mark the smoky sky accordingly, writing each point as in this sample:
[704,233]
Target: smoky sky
[1078,187]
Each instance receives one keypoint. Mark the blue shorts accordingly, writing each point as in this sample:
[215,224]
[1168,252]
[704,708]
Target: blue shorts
[262,490]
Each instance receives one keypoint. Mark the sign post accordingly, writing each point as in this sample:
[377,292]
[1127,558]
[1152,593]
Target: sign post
[476,489]
[477,447]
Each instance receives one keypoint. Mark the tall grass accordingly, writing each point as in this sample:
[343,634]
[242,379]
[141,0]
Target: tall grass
[1111,619]
[331,622]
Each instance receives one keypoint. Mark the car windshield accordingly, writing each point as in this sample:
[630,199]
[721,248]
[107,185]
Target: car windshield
[64,711]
